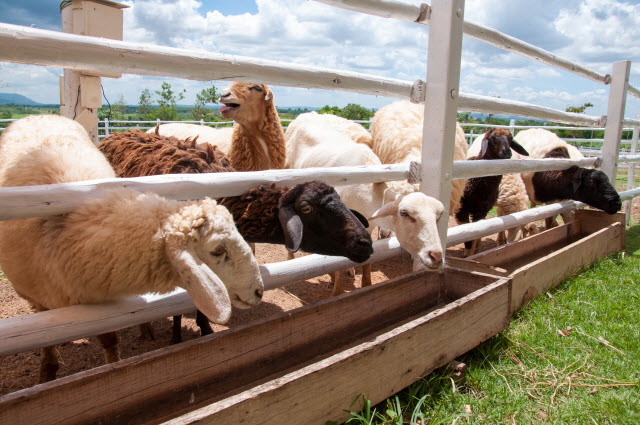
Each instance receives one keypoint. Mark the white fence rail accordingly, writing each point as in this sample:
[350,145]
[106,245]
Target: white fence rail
[49,48]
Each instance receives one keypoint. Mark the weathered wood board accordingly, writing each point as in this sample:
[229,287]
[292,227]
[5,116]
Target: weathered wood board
[543,261]
[315,360]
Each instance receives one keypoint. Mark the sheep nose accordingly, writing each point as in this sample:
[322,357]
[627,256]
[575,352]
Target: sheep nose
[259,293]
[436,257]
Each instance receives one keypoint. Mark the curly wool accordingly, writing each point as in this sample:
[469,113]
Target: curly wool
[218,137]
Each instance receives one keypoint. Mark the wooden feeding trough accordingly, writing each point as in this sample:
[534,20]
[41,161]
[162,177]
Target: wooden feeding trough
[305,366]
[543,261]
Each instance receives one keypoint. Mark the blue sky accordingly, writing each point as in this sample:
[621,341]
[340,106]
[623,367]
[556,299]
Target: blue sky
[593,33]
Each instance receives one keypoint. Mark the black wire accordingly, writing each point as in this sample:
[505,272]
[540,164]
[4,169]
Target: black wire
[77,99]
[105,98]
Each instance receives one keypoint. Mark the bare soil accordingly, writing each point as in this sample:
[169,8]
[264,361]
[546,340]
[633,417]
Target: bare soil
[21,370]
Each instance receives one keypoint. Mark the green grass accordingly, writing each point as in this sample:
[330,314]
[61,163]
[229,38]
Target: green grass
[572,356]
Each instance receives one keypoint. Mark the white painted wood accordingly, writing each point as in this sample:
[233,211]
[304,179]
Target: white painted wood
[35,201]
[631,158]
[399,10]
[630,194]
[627,122]
[634,91]
[52,48]
[487,104]
[481,168]
[42,47]
[441,105]
[615,115]
[383,8]
[631,173]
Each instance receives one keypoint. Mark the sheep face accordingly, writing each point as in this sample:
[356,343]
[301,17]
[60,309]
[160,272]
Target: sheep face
[593,188]
[246,103]
[213,260]
[498,143]
[415,220]
[315,220]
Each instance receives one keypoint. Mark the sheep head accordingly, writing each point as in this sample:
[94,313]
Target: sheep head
[415,220]
[214,262]
[246,103]
[594,189]
[314,219]
[497,144]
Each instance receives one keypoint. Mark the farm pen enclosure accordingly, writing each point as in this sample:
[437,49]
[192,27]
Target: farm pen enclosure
[312,360]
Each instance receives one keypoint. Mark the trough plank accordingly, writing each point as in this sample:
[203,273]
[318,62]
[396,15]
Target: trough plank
[378,367]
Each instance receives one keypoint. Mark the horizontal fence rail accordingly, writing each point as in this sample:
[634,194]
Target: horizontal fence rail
[42,47]
[37,201]
[420,14]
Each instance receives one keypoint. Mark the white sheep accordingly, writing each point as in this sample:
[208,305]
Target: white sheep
[581,184]
[315,140]
[120,244]
[396,133]
[512,198]
[220,137]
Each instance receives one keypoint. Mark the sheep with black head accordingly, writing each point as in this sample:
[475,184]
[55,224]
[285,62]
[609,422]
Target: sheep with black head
[480,193]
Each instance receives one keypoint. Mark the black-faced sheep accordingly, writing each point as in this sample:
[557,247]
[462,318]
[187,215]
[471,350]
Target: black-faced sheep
[121,244]
[480,193]
[580,184]
[316,140]
[309,216]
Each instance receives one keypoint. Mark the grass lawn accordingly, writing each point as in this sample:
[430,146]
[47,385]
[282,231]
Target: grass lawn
[571,356]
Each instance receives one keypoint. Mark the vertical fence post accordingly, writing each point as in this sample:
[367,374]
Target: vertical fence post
[631,174]
[201,121]
[440,110]
[106,127]
[615,115]
[512,127]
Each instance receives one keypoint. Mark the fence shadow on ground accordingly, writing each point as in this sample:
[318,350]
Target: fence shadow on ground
[633,240]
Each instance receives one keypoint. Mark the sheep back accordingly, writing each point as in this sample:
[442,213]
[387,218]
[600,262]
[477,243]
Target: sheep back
[219,137]
[136,154]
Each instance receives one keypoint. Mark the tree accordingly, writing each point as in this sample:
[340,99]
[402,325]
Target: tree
[579,109]
[167,100]
[144,105]
[118,108]
[202,99]
[352,111]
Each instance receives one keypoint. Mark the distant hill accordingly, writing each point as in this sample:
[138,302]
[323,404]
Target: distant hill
[17,99]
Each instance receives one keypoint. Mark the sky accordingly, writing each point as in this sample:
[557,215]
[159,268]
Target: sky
[593,33]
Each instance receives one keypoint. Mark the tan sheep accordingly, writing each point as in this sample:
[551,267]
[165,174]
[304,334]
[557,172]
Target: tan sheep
[396,133]
[120,244]
[220,137]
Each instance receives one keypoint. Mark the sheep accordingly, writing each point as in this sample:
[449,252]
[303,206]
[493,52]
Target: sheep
[122,243]
[309,216]
[315,140]
[480,193]
[396,134]
[512,198]
[258,139]
[219,137]
[581,184]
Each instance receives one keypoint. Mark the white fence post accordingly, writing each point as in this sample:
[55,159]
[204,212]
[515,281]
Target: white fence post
[106,127]
[631,174]
[512,127]
[615,115]
[201,121]
[440,111]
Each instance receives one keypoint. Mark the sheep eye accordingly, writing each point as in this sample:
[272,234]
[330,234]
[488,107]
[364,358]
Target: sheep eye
[256,88]
[404,213]
[220,250]
[306,209]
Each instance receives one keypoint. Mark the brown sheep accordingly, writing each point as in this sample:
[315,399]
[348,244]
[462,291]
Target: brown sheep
[258,139]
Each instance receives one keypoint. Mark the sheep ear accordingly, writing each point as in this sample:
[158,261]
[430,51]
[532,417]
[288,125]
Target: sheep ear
[268,95]
[360,217]
[204,287]
[518,148]
[484,146]
[292,225]
[384,211]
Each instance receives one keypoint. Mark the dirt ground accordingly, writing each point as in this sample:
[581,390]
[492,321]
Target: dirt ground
[21,370]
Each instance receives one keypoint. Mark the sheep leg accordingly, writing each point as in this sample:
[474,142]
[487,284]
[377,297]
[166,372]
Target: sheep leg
[49,364]
[336,278]
[290,255]
[502,238]
[513,234]
[109,342]
[176,335]
[252,245]
[203,323]
[366,275]
[146,331]
[550,222]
